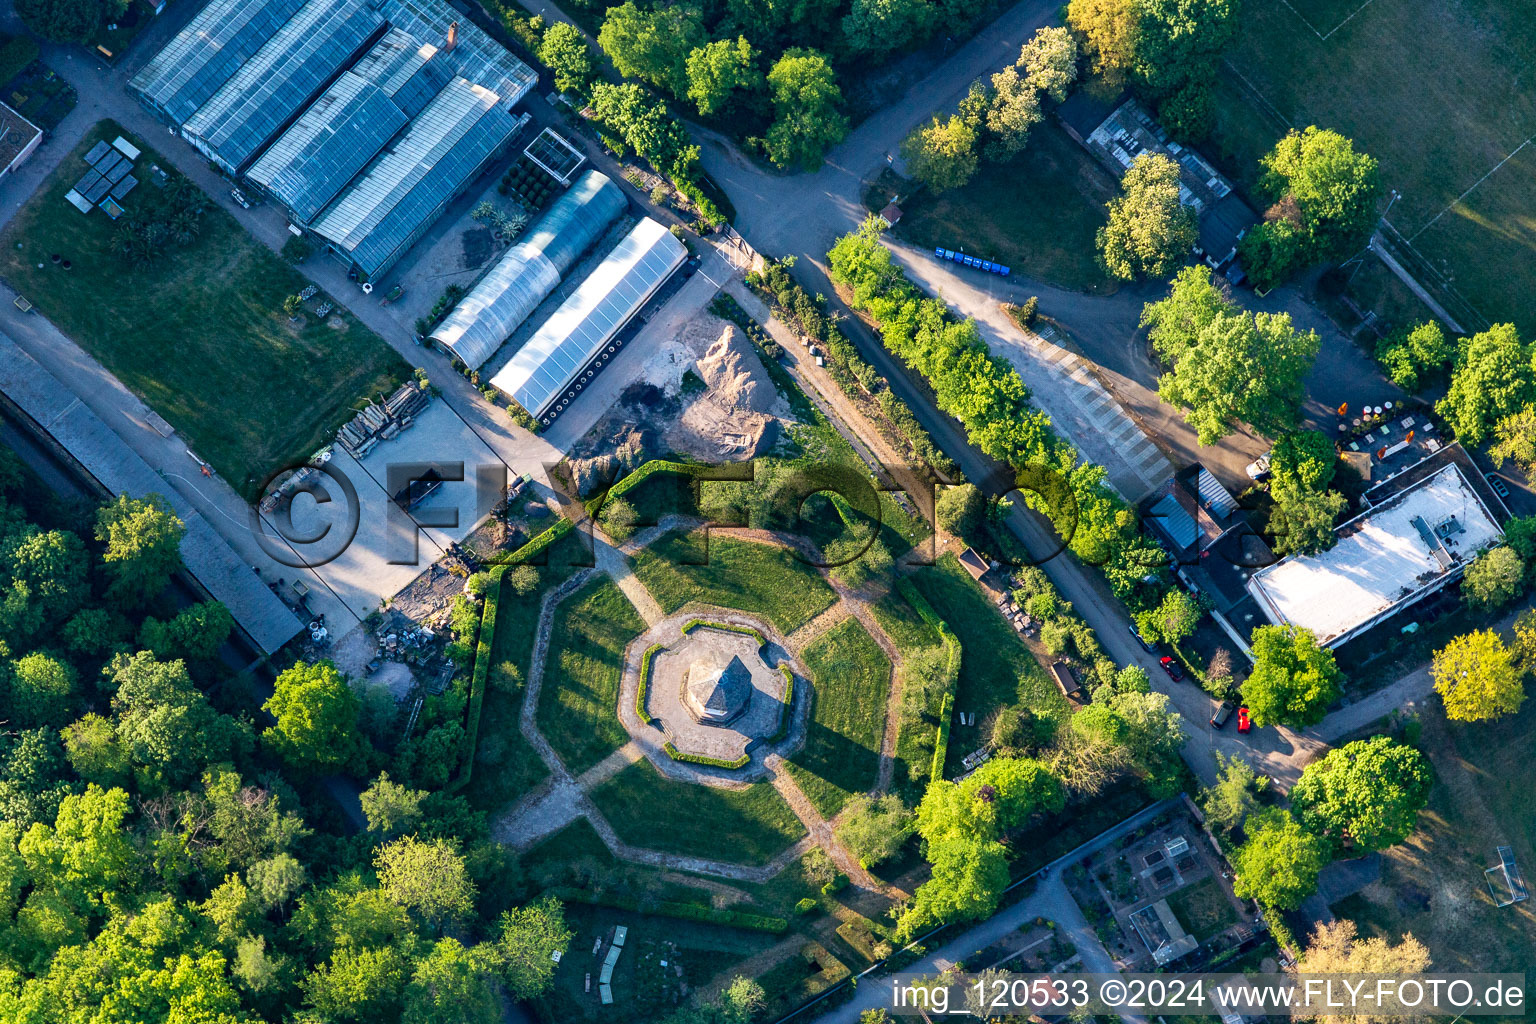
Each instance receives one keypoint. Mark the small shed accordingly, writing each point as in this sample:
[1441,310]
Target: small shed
[891,215]
[1066,679]
[973,563]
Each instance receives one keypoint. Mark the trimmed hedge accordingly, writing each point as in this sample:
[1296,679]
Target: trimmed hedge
[634,479]
[714,762]
[725,627]
[683,911]
[953,652]
[786,704]
[642,710]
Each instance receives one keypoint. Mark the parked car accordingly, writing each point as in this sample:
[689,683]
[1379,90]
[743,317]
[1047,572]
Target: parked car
[1497,483]
[1141,640]
[1223,712]
[1243,724]
[1172,668]
[239,197]
[1258,469]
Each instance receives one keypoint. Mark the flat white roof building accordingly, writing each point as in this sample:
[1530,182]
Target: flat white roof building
[1398,552]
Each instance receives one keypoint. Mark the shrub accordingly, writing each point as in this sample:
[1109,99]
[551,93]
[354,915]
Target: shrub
[806,905]
[713,762]
[725,627]
[298,249]
[642,691]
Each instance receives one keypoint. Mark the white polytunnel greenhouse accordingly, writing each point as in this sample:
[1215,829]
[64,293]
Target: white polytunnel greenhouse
[527,273]
[573,345]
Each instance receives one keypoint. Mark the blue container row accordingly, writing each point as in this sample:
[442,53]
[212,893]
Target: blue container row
[971,261]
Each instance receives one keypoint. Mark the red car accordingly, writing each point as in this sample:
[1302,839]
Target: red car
[1243,723]
[1171,667]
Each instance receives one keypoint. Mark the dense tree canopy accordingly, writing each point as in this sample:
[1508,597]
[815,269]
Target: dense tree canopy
[1494,377]
[1477,678]
[1279,863]
[1412,356]
[1294,680]
[1229,365]
[806,102]
[720,71]
[1335,948]
[316,712]
[565,52]
[1013,108]
[1302,464]
[941,154]
[1150,232]
[1049,61]
[1370,791]
[143,539]
[874,830]
[1495,578]
[68,21]
[652,43]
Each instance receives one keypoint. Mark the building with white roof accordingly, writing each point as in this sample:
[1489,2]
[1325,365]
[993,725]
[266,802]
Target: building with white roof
[569,348]
[1403,549]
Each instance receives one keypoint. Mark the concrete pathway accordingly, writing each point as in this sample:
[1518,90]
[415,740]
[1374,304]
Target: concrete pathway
[821,833]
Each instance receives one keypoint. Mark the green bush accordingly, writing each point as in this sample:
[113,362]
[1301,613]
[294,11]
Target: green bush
[786,704]
[806,905]
[16,55]
[725,627]
[953,653]
[642,709]
[714,762]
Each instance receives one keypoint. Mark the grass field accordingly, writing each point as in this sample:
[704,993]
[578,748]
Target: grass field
[1439,91]
[1203,908]
[746,826]
[996,669]
[1037,213]
[578,702]
[851,679]
[919,716]
[199,334]
[1432,885]
[754,578]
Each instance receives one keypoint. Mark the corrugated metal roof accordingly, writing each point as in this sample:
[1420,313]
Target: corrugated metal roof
[208,51]
[545,367]
[530,270]
[314,160]
[410,183]
[285,74]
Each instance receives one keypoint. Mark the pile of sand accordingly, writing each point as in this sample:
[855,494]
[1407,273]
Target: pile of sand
[730,420]
[736,377]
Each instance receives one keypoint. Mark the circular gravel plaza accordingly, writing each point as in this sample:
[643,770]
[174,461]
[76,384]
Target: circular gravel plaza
[714,688]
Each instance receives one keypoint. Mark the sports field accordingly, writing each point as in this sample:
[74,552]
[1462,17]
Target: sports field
[1440,91]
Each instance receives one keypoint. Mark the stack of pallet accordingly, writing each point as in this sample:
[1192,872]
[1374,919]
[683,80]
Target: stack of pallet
[377,422]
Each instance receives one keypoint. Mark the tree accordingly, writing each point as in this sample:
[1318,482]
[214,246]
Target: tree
[450,986]
[1172,621]
[719,70]
[1494,378]
[1411,356]
[523,579]
[652,44]
[524,943]
[1228,364]
[874,27]
[1188,113]
[1180,41]
[1477,678]
[167,727]
[564,50]
[196,633]
[1302,523]
[1014,108]
[961,511]
[275,881]
[390,807]
[42,582]
[86,853]
[1234,796]
[427,876]
[143,539]
[1111,30]
[1271,252]
[292,305]
[1150,232]
[34,778]
[1303,460]
[1334,188]
[67,21]
[1293,680]
[1495,578]
[358,983]
[1335,949]
[316,712]
[805,102]
[874,829]
[1369,790]
[94,752]
[1049,61]
[1279,863]
[41,690]
[941,154]
[1017,787]
[1514,437]
[643,124]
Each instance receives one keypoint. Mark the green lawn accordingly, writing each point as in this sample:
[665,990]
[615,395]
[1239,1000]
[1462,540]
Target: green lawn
[199,334]
[1203,908]
[1037,213]
[1432,885]
[578,702]
[1439,91]
[506,765]
[747,826]
[996,669]
[851,679]
[755,578]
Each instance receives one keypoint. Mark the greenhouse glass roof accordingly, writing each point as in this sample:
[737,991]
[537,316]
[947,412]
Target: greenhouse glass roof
[545,367]
[407,185]
[212,47]
[530,270]
[476,56]
[285,74]
[312,161]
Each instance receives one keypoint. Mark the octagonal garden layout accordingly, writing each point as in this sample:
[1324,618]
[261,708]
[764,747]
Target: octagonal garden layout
[711,716]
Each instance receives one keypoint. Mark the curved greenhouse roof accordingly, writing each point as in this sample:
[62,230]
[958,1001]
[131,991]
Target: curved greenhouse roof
[530,270]
[543,374]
